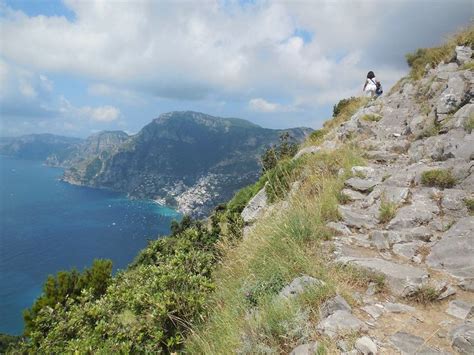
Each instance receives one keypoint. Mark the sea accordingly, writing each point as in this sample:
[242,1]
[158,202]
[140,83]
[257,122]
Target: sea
[47,225]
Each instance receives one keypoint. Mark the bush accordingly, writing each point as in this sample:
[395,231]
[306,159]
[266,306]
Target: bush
[342,106]
[281,177]
[438,178]
[285,149]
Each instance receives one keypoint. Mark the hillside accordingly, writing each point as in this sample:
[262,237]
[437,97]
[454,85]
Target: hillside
[361,243]
[37,146]
[185,159]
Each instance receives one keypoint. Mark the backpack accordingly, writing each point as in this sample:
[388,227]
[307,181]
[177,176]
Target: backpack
[378,88]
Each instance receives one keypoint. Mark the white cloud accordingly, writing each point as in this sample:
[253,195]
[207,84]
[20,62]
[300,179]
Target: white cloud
[262,105]
[222,51]
[100,114]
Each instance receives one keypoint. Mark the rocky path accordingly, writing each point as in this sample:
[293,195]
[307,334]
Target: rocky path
[418,234]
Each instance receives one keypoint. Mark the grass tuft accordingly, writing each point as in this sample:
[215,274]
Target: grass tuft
[441,178]
[387,211]
[424,295]
[371,118]
[469,124]
[470,205]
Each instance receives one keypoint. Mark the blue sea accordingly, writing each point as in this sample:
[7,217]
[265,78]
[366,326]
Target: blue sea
[47,225]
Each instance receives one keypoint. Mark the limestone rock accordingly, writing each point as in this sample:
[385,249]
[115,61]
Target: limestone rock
[398,308]
[356,219]
[463,54]
[362,185]
[410,344]
[454,251]
[307,150]
[353,195]
[298,285]
[452,96]
[375,311]
[366,346]
[255,207]
[340,322]
[339,228]
[462,337]
[306,349]
[407,250]
[460,309]
[421,211]
[401,279]
[332,305]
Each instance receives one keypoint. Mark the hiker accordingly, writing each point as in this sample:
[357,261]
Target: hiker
[372,86]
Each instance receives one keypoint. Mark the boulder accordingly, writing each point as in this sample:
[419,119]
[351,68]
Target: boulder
[337,303]
[453,253]
[298,285]
[374,310]
[255,207]
[395,194]
[453,203]
[463,54]
[452,97]
[398,308]
[407,250]
[341,322]
[462,338]
[366,346]
[462,115]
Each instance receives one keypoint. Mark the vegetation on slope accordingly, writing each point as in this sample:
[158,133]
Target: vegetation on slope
[431,57]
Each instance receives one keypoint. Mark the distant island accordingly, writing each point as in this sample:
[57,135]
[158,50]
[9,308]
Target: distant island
[187,160]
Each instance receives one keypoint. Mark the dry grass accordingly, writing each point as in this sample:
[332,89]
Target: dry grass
[387,211]
[282,246]
[431,57]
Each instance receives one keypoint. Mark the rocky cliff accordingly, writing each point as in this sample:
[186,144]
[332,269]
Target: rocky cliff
[408,216]
[187,159]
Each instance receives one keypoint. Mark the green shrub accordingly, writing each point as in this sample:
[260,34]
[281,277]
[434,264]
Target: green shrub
[285,149]
[425,294]
[342,106]
[438,178]
[371,118]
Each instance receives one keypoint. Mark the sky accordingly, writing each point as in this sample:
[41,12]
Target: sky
[76,67]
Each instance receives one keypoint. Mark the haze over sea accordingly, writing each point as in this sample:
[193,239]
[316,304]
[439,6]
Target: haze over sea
[47,225]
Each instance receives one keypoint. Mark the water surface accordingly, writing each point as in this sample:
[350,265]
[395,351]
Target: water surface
[47,225]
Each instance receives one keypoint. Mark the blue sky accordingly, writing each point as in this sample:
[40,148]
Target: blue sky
[76,67]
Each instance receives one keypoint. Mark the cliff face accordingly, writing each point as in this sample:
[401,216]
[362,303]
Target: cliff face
[189,159]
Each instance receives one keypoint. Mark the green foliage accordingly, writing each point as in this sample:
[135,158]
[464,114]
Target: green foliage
[145,309]
[259,289]
[470,205]
[281,177]
[285,149]
[430,57]
[371,118]
[67,287]
[342,106]
[439,178]
[8,342]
